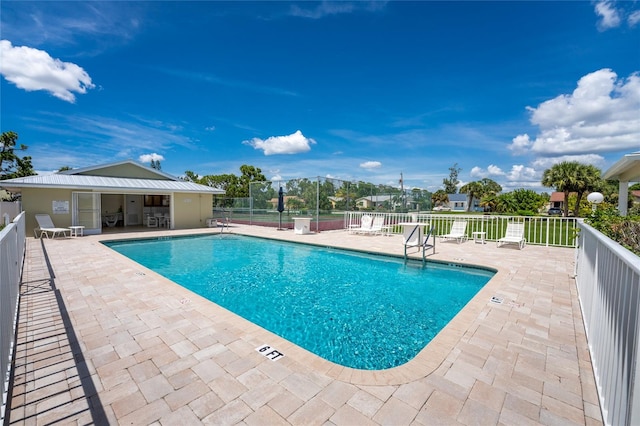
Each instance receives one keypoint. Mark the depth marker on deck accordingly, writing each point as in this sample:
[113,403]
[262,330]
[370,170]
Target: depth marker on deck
[270,352]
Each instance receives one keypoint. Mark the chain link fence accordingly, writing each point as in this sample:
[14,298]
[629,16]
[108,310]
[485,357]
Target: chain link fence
[324,200]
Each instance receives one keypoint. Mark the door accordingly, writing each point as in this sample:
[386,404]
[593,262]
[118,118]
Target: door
[132,210]
[86,212]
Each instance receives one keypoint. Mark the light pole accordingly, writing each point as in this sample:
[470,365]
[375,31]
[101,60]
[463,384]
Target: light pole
[595,198]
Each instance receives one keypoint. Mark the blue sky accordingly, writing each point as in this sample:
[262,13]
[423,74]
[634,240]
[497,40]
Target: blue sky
[349,90]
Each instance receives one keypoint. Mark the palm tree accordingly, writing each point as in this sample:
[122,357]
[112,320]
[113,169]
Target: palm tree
[587,180]
[473,190]
[562,176]
[489,202]
[506,203]
[439,198]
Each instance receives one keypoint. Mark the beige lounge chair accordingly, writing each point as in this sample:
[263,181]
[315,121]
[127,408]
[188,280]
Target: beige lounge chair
[46,226]
[513,235]
[458,231]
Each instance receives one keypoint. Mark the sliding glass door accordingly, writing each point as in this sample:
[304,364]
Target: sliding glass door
[86,212]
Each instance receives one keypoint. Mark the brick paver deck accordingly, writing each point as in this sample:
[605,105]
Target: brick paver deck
[104,340]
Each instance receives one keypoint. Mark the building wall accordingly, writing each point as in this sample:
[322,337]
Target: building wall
[189,210]
[40,200]
[192,210]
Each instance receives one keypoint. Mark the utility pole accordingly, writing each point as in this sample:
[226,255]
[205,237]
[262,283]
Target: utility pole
[402,192]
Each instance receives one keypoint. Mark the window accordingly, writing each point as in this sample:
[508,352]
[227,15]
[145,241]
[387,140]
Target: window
[156,200]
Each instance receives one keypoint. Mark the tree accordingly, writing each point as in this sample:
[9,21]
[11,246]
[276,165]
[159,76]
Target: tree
[190,176]
[490,187]
[11,164]
[155,164]
[439,198]
[234,186]
[489,202]
[249,174]
[451,184]
[64,169]
[563,177]
[587,180]
[473,190]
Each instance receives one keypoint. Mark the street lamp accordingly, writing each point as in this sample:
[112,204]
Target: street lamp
[595,198]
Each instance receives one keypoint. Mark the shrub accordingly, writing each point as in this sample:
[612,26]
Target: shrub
[625,230]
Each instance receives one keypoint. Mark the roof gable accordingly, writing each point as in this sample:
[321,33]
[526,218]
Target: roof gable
[457,197]
[122,169]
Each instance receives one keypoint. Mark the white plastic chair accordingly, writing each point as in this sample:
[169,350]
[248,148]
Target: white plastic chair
[458,231]
[513,235]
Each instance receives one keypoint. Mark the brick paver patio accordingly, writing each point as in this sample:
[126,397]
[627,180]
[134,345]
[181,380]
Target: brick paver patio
[104,340]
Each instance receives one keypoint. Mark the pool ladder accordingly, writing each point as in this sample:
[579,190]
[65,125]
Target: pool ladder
[424,245]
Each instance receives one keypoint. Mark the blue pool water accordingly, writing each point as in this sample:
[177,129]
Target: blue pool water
[358,310]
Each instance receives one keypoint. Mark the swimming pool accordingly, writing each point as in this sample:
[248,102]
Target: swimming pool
[358,310]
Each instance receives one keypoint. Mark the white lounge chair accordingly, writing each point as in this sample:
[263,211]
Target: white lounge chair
[376,226]
[513,235]
[458,231]
[365,225]
[46,226]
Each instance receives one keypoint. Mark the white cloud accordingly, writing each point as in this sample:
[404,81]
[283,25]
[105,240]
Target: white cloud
[601,115]
[32,69]
[520,144]
[545,163]
[634,18]
[495,170]
[522,173]
[609,15]
[147,158]
[328,8]
[210,128]
[371,165]
[477,172]
[291,144]
[492,170]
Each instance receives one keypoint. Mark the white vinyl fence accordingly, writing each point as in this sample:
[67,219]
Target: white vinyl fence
[539,230]
[608,281]
[12,249]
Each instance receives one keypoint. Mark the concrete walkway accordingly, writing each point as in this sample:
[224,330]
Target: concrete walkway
[104,340]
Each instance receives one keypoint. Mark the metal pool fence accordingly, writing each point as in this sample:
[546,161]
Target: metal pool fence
[539,230]
[608,281]
[12,249]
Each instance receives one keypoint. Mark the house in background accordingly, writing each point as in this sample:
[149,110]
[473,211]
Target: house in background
[124,194]
[460,202]
[556,200]
[374,201]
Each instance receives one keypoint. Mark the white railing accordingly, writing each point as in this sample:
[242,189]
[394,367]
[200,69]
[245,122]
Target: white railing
[539,230]
[12,249]
[608,281]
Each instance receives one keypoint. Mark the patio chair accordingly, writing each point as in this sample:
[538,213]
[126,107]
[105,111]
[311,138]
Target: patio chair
[376,226]
[46,226]
[458,231]
[365,225]
[513,235]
